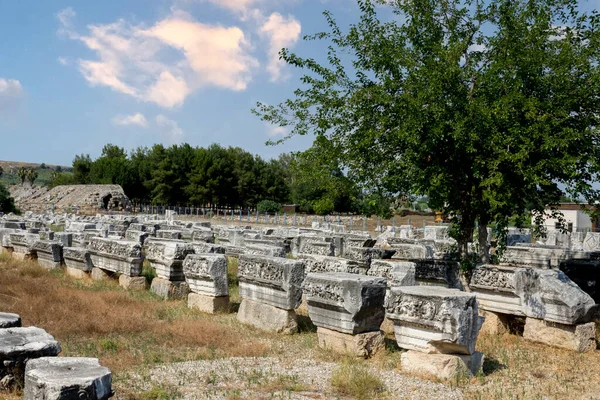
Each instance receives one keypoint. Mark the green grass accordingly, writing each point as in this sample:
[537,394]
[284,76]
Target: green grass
[353,378]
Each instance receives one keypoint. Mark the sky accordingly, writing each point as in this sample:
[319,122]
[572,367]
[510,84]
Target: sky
[76,75]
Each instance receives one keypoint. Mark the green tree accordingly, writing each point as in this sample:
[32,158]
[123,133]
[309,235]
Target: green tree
[82,165]
[7,203]
[22,174]
[487,108]
[31,175]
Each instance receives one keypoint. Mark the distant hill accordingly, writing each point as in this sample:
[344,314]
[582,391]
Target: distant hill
[10,169]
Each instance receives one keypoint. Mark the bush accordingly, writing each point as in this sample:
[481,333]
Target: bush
[323,206]
[268,206]
[7,203]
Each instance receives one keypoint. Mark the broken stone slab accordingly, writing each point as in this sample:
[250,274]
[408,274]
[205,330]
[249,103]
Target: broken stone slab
[580,338]
[267,317]
[363,345]
[170,290]
[513,238]
[347,303]
[442,273]
[311,244]
[436,232]
[208,304]
[133,283]
[66,378]
[410,251]
[203,235]
[365,255]
[585,274]
[206,274]
[537,293]
[271,280]
[591,242]
[434,320]
[315,264]
[77,258]
[168,234]
[120,256]
[64,238]
[442,366]
[136,236]
[22,244]
[534,256]
[49,253]
[8,320]
[494,323]
[204,248]
[265,250]
[167,258]
[397,273]
[18,345]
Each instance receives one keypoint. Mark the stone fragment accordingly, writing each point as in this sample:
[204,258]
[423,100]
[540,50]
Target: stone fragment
[8,320]
[267,317]
[167,258]
[585,274]
[534,256]
[271,280]
[365,255]
[443,273]
[442,366]
[168,234]
[67,378]
[22,244]
[315,263]
[496,289]
[592,242]
[136,236]
[580,338]
[134,283]
[206,274]
[436,232]
[310,244]
[208,304]
[343,302]
[362,345]
[169,290]
[119,256]
[49,253]
[264,250]
[434,320]
[203,235]
[397,273]
[98,274]
[494,323]
[76,273]
[203,248]
[77,258]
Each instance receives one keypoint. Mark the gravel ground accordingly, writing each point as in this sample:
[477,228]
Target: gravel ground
[271,378]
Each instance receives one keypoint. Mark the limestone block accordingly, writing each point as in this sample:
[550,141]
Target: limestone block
[436,232]
[77,258]
[494,323]
[136,236]
[76,273]
[18,345]
[534,256]
[168,234]
[267,318]
[315,263]
[167,258]
[64,238]
[98,274]
[513,238]
[360,345]
[264,250]
[49,253]
[5,237]
[434,320]
[208,304]
[496,289]
[343,302]
[22,244]
[134,283]
[397,273]
[271,280]
[203,235]
[46,235]
[366,254]
[206,274]
[311,244]
[442,366]
[8,320]
[169,290]
[120,256]
[443,273]
[591,242]
[66,378]
[581,338]
[203,248]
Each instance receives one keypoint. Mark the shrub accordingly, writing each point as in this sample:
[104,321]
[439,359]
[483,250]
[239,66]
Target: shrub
[268,206]
[7,203]
[323,206]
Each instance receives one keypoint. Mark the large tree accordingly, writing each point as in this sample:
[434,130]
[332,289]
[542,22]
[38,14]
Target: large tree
[488,108]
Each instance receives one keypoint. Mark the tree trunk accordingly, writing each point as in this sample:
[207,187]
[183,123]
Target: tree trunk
[484,248]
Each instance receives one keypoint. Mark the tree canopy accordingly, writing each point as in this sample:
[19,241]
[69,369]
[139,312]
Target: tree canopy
[489,109]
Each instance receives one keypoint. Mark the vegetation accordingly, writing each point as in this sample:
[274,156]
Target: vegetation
[268,206]
[7,203]
[487,108]
[355,379]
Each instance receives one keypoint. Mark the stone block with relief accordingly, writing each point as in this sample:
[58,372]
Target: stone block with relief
[167,258]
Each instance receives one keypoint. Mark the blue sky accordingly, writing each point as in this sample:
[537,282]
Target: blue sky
[75,75]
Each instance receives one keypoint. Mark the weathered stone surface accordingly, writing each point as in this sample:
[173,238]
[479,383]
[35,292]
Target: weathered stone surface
[206,274]
[494,323]
[443,273]
[432,320]
[136,236]
[362,345]
[264,250]
[534,256]
[343,302]
[135,283]
[436,232]
[410,251]
[49,253]
[591,242]
[77,258]
[67,378]
[8,320]
[538,293]
[397,273]
[119,256]
[167,258]
[76,273]
[208,304]
[203,248]
[579,338]
[442,366]
[317,264]
[310,244]
[203,234]
[168,234]
[64,238]
[98,274]
[585,274]
[169,290]
[271,280]
[267,318]
[366,254]
[22,244]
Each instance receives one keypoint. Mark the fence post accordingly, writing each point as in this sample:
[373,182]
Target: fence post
[284,219]
[394,225]
[294,220]
[351,223]
[257,216]
[339,220]
[364,224]
[378,225]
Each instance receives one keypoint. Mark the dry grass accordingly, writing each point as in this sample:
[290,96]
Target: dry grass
[353,378]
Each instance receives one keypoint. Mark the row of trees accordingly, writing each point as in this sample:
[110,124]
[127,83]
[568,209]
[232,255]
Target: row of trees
[225,177]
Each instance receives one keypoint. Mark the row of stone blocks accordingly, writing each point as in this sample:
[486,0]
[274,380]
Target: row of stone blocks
[28,361]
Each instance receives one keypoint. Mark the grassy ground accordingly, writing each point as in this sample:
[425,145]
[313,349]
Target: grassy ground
[133,332]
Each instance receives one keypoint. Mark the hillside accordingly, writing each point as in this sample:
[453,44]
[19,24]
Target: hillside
[10,168]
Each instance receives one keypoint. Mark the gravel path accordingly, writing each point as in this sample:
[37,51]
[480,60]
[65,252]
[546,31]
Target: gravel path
[271,378]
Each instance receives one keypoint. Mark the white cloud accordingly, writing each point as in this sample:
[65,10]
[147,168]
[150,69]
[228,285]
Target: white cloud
[235,5]
[169,129]
[166,62]
[281,32]
[273,131]
[135,119]
[65,16]
[11,93]
[63,60]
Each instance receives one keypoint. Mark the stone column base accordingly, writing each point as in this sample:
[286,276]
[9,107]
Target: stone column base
[267,318]
[169,290]
[76,273]
[442,366]
[208,304]
[361,345]
[579,338]
[133,282]
[99,274]
[494,323]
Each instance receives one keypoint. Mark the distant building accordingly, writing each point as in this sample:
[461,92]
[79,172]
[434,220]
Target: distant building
[576,219]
